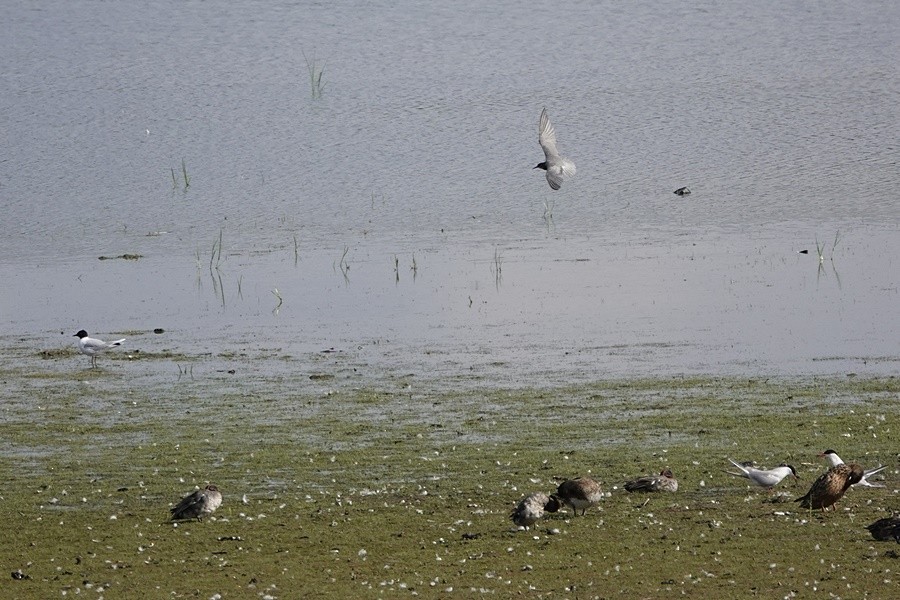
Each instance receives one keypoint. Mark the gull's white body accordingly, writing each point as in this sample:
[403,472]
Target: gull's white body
[835,460]
[558,168]
[92,346]
[763,478]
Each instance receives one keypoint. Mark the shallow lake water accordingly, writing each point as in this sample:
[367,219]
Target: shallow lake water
[397,219]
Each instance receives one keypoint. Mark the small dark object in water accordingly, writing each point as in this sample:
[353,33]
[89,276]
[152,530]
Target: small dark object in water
[885,530]
[123,257]
[682,191]
[803,252]
[159,330]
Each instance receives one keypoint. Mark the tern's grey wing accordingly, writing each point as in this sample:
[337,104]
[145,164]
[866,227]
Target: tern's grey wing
[743,469]
[547,138]
[764,478]
[864,482]
[554,177]
[878,469]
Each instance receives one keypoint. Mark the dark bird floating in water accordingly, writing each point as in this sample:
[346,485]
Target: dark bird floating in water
[682,191]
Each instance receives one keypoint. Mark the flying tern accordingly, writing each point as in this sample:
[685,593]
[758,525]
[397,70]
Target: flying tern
[557,167]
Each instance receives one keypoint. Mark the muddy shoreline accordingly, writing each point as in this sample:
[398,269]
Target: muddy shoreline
[336,490]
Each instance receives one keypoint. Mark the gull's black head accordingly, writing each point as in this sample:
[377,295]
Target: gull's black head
[81,334]
[542,166]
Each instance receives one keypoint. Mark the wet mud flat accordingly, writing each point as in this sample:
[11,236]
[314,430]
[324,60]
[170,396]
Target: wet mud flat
[372,489]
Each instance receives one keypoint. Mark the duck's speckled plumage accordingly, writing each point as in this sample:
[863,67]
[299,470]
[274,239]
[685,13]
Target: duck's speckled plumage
[197,504]
[834,460]
[532,507]
[664,482]
[830,486]
[580,494]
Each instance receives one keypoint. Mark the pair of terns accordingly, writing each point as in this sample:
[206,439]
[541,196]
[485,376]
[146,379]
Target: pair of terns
[825,491]
[769,478]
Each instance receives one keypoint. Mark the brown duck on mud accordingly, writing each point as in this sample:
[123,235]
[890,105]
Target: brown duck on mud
[581,493]
[664,482]
[532,508]
[830,486]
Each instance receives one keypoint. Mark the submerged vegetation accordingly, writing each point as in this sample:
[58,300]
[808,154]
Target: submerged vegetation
[185,179]
[340,491]
[316,71]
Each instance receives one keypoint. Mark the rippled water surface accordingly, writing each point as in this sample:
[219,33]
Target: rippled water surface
[397,218]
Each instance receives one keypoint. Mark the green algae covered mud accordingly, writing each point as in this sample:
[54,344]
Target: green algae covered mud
[365,491]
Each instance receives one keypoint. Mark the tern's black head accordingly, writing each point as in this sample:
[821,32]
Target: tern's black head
[542,165]
[793,471]
[81,334]
[829,451]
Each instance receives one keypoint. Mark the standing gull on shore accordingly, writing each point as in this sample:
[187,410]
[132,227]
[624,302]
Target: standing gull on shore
[92,346]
